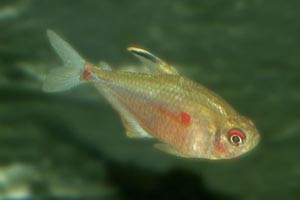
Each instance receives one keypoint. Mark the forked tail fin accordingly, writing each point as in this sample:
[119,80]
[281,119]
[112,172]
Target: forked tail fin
[64,78]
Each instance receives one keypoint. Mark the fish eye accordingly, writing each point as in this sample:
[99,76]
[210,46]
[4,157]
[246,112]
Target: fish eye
[236,136]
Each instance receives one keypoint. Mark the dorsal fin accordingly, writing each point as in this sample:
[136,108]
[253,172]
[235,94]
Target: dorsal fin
[153,62]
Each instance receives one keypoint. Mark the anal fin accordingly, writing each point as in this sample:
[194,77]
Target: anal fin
[133,132]
[132,126]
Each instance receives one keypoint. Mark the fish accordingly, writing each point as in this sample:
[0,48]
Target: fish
[185,118]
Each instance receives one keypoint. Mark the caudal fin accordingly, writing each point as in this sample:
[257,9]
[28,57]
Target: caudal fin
[64,78]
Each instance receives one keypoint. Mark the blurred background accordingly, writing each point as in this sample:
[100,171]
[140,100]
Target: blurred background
[71,145]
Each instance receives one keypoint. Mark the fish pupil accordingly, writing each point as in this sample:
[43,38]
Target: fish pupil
[236,139]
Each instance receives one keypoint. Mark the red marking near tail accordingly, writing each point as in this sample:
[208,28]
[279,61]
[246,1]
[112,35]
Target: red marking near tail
[86,74]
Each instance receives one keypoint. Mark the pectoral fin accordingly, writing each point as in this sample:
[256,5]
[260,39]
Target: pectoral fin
[155,64]
[169,149]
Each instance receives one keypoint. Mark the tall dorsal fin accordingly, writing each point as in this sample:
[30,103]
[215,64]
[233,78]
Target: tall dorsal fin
[154,63]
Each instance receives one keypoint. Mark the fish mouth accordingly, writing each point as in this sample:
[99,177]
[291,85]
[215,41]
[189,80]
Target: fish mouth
[256,140]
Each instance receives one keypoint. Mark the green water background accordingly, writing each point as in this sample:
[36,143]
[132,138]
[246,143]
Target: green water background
[246,51]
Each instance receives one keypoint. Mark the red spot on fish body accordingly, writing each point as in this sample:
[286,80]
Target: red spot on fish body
[220,147]
[86,74]
[185,118]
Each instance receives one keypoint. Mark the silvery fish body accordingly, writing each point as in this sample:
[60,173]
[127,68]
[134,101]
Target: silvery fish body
[187,119]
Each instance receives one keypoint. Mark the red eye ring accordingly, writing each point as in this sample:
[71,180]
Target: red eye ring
[236,136]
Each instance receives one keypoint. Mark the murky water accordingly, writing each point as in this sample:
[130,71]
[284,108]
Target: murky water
[72,144]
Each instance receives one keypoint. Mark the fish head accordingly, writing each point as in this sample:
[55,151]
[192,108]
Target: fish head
[237,136]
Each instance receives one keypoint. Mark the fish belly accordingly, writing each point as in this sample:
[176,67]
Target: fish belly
[156,119]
